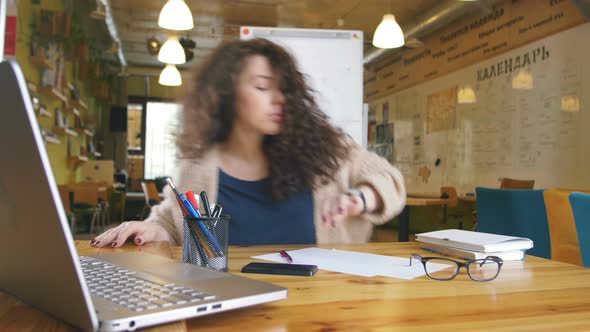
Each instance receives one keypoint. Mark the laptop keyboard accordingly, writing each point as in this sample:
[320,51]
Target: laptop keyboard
[135,290]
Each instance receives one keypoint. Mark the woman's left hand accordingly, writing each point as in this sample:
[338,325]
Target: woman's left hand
[335,210]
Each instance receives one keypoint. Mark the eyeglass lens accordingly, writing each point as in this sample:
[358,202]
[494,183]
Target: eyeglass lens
[441,269]
[483,269]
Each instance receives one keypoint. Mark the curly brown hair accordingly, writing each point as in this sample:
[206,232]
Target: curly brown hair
[307,151]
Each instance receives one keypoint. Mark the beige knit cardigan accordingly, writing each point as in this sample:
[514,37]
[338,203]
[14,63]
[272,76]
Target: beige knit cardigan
[361,167]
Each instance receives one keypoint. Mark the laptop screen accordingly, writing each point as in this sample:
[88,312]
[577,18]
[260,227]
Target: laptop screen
[42,266]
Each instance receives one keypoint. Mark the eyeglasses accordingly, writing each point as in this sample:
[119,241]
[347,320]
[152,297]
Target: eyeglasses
[438,268]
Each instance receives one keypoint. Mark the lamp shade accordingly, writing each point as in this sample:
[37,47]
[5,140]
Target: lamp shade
[170,76]
[175,15]
[172,52]
[388,34]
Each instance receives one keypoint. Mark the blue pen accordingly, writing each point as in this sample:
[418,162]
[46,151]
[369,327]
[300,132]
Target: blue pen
[195,214]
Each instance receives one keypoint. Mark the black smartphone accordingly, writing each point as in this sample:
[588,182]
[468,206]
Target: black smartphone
[279,268]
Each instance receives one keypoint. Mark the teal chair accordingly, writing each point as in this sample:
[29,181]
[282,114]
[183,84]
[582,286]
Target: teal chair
[581,208]
[515,213]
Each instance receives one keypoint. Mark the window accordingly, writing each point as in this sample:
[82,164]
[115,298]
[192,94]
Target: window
[160,148]
[134,121]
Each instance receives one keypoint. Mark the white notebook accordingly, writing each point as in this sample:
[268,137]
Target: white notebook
[475,241]
[510,255]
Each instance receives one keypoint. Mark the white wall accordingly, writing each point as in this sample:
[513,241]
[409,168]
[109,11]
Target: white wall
[507,132]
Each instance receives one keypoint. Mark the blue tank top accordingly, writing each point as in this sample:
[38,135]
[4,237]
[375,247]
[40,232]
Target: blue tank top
[257,219]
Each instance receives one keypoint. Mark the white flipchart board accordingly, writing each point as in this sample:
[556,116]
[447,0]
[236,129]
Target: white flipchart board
[332,60]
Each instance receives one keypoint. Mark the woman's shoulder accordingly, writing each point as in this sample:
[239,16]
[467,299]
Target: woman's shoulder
[196,172]
[205,158]
[208,160]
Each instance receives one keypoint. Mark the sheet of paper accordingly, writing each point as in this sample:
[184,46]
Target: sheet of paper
[356,263]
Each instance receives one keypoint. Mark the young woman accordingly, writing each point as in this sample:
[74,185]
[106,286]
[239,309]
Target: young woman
[253,137]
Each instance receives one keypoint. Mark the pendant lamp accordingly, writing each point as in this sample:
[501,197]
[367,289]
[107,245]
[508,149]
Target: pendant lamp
[172,52]
[388,34]
[170,76]
[176,15]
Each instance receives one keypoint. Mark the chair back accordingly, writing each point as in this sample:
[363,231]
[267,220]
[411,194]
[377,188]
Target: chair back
[562,227]
[150,192]
[515,213]
[508,183]
[85,192]
[450,193]
[581,209]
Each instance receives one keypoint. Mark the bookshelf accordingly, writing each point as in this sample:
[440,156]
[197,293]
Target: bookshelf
[76,161]
[53,92]
[49,136]
[45,113]
[72,110]
[65,131]
[54,35]
[32,87]
[41,62]
[49,139]
[79,104]
[84,131]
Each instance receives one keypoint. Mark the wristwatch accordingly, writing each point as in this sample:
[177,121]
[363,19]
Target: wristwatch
[359,193]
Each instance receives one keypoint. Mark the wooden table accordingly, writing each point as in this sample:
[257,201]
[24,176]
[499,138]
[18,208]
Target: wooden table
[532,295]
[464,198]
[404,217]
[139,195]
[422,199]
[470,199]
[415,194]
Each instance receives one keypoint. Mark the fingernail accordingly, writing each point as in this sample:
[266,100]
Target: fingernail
[114,244]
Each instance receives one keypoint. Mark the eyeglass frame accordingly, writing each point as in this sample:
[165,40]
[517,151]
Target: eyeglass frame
[465,264]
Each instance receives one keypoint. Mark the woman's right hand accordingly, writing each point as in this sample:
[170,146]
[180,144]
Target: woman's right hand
[143,232]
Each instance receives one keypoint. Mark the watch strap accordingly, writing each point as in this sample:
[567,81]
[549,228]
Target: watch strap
[359,193]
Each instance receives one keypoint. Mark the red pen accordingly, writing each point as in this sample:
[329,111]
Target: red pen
[182,208]
[285,255]
[192,198]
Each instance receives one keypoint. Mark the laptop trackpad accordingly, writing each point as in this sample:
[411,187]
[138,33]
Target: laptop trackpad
[183,272]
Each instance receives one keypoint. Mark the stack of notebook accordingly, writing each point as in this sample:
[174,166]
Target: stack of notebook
[474,245]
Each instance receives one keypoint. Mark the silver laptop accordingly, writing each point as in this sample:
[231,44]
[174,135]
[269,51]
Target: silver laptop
[110,292]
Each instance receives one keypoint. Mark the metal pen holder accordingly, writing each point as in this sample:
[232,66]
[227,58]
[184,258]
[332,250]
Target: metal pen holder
[205,242]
